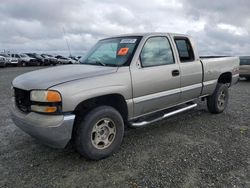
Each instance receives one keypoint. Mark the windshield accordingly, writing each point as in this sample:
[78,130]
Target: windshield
[112,52]
[23,55]
[4,55]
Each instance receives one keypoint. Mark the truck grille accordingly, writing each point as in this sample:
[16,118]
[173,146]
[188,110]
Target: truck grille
[22,99]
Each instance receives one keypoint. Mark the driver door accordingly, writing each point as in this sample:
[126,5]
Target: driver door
[156,83]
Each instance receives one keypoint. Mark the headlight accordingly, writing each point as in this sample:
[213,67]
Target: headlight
[45,96]
[45,101]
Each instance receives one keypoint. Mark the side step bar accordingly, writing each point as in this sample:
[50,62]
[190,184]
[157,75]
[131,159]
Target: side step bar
[143,123]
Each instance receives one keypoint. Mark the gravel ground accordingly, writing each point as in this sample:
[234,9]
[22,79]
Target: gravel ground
[194,149]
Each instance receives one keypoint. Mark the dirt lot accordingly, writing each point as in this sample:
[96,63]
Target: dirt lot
[194,149]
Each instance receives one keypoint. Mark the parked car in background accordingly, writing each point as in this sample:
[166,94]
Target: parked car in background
[49,59]
[3,61]
[25,60]
[39,58]
[76,58]
[10,61]
[245,67]
[64,60]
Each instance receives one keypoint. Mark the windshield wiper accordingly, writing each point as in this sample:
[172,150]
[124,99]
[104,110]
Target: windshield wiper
[100,63]
[95,63]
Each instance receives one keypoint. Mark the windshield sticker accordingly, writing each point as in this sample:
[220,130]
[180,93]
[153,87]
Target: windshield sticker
[130,41]
[123,51]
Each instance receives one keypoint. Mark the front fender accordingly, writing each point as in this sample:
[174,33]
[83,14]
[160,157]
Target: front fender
[78,91]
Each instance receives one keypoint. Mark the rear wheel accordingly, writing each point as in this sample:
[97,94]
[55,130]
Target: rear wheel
[217,102]
[99,133]
[23,64]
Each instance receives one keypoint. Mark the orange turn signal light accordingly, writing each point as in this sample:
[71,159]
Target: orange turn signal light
[50,109]
[53,96]
[44,109]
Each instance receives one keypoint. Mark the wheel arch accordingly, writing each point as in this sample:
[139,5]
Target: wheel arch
[225,78]
[114,100]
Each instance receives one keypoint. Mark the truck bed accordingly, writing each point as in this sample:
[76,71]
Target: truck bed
[213,66]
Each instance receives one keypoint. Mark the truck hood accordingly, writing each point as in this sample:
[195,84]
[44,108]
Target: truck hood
[46,78]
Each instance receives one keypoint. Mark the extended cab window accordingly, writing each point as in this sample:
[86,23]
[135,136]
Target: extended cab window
[185,50]
[156,51]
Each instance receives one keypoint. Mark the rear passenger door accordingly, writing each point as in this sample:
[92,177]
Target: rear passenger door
[156,81]
[190,68]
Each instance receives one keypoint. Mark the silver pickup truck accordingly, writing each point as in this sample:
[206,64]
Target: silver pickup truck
[132,80]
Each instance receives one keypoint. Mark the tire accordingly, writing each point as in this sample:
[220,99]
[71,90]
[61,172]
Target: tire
[46,63]
[101,123]
[4,65]
[248,78]
[218,101]
[23,64]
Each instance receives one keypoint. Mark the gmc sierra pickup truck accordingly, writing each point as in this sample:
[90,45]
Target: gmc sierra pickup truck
[132,80]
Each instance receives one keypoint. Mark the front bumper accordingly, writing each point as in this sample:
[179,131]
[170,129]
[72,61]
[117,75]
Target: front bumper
[52,130]
[245,74]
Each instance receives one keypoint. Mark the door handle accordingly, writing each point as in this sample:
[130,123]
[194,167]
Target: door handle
[175,73]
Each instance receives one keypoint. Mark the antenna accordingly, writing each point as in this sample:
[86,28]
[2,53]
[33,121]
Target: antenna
[67,42]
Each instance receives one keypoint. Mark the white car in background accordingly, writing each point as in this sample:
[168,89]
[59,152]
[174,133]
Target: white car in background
[65,60]
[25,60]
[9,60]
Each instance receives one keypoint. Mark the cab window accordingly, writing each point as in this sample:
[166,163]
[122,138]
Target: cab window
[185,49]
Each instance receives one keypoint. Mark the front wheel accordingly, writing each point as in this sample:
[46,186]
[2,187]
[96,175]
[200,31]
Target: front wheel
[217,102]
[99,134]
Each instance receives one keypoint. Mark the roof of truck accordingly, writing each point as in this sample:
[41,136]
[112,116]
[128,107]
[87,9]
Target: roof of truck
[146,34]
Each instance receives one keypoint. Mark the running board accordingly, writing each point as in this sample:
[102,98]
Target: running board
[143,123]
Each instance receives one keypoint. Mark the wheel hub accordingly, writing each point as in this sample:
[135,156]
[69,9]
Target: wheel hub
[103,133]
[222,99]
